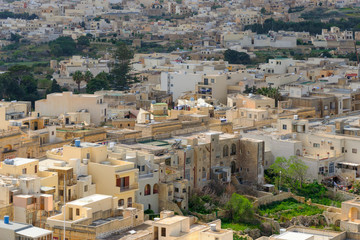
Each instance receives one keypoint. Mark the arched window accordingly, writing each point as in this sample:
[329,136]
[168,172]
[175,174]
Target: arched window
[155,188]
[121,202]
[129,202]
[225,151]
[147,190]
[233,149]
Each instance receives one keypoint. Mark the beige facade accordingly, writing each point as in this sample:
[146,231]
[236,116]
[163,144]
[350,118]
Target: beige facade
[61,103]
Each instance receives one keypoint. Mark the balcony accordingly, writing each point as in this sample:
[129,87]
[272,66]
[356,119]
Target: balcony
[132,187]
[148,175]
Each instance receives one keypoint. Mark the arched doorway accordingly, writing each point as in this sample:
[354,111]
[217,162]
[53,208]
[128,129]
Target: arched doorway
[353,214]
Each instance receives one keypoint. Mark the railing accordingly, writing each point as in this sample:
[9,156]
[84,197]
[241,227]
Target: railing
[134,186]
[148,175]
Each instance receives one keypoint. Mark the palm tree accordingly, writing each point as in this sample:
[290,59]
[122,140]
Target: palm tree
[78,77]
[88,76]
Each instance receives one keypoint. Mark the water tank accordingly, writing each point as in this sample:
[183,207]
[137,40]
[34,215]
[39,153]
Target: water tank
[85,161]
[9,161]
[213,227]
[77,143]
[6,219]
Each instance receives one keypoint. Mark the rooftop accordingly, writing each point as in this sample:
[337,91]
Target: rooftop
[34,232]
[89,199]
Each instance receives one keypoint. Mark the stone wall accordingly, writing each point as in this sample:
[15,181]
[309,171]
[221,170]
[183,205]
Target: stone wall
[7,210]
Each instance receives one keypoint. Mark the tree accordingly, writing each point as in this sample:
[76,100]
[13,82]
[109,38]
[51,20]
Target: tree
[121,71]
[55,87]
[15,37]
[63,46]
[263,11]
[78,77]
[240,209]
[271,93]
[83,42]
[293,170]
[235,57]
[88,76]
[99,82]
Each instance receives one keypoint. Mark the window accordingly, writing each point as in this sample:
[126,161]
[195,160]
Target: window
[212,80]
[203,173]
[143,168]
[77,212]
[163,232]
[354,150]
[233,149]
[85,188]
[184,190]
[284,127]
[317,145]
[24,171]
[88,155]
[225,151]
[52,133]
[155,189]
[331,168]
[188,160]
[147,190]
[176,189]
[121,202]
[129,202]
[332,148]
[36,169]
[123,182]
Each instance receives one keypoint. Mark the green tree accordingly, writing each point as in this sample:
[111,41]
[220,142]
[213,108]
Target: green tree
[55,87]
[63,46]
[240,209]
[263,11]
[235,57]
[78,77]
[83,42]
[121,77]
[271,93]
[88,76]
[99,82]
[293,170]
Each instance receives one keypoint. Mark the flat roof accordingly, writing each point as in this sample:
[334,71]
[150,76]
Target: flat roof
[21,161]
[13,226]
[89,199]
[294,235]
[34,232]
[170,220]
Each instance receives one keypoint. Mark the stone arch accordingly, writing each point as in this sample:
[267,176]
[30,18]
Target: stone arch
[147,190]
[155,188]
[353,214]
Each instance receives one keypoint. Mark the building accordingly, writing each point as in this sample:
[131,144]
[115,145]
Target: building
[13,231]
[57,104]
[92,217]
